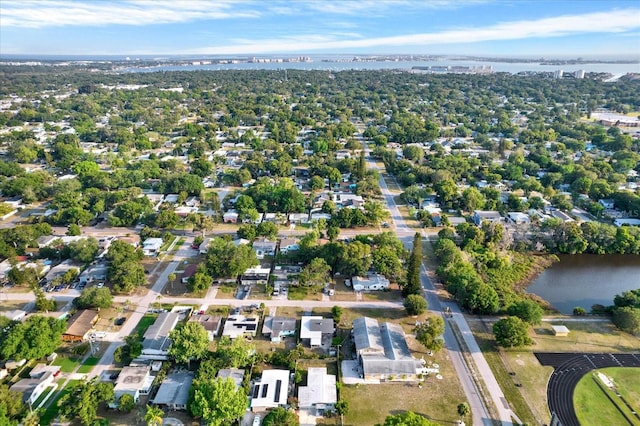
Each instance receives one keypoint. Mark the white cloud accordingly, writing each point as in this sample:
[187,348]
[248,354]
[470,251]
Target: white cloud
[47,13]
[616,21]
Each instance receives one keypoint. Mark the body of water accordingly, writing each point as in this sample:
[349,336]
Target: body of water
[397,65]
[586,280]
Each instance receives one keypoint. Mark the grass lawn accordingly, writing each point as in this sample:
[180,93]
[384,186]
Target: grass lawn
[145,322]
[52,410]
[371,404]
[627,382]
[530,400]
[88,365]
[67,365]
[303,293]
[592,405]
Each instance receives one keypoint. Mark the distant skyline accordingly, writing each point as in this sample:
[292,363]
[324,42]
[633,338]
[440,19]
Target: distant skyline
[516,28]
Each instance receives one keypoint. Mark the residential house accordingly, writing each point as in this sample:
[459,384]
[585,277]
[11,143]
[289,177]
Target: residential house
[61,269]
[372,282]
[189,271]
[480,216]
[32,388]
[97,272]
[255,275]
[344,200]
[80,326]
[518,218]
[298,218]
[173,393]
[315,330]
[134,381]
[264,247]
[320,393]
[235,374]
[383,353]
[211,323]
[278,327]
[289,244]
[151,246]
[230,216]
[271,391]
[239,325]
[155,345]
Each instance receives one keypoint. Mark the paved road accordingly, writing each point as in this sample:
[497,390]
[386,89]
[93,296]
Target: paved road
[481,416]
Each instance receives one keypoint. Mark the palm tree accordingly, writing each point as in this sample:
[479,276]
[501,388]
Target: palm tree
[153,416]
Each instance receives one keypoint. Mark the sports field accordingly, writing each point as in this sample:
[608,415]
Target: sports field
[598,404]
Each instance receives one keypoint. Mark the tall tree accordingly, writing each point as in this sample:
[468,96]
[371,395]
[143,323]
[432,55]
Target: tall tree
[281,417]
[512,332]
[190,341]
[429,333]
[153,416]
[84,398]
[218,401]
[35,337]
[414,266]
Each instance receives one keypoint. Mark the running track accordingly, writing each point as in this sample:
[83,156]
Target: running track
[568,370]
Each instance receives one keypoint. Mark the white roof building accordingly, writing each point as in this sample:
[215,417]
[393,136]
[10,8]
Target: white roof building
[239,325]
[151,246]
[320,392]
[134,381]
[370,283]
[271,391]
[313,328]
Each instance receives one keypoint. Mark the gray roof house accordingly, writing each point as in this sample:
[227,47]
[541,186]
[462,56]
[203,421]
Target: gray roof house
[278,327]
[314,328]
[236,374]
[173,393]
[382,351]
[156,339]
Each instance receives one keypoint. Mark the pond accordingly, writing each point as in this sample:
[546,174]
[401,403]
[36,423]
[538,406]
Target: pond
[585,280]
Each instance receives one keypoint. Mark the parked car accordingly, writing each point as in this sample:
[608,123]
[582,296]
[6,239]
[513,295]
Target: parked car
[120,321]
[257,420]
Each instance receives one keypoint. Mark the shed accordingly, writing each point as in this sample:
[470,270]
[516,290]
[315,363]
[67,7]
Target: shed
[560,330]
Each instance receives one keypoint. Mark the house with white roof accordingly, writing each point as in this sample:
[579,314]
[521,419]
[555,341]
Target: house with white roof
[134,381]
[313,329]
[238,325]
[271,390]
[372,282]
[320,394]
[151,246]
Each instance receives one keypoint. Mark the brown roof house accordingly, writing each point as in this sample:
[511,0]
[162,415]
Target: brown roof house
[80,326]
[211,323]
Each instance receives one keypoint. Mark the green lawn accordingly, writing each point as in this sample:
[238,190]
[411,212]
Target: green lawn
[145,322]
[67,365]
[88,365]
[592,405]
[52,411]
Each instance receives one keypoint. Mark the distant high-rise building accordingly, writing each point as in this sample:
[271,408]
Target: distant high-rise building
[579,74]
[558,74]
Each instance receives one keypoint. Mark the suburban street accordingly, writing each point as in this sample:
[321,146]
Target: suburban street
[465,372]
[450,312]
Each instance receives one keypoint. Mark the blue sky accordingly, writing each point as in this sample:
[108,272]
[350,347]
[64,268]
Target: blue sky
[557,28]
